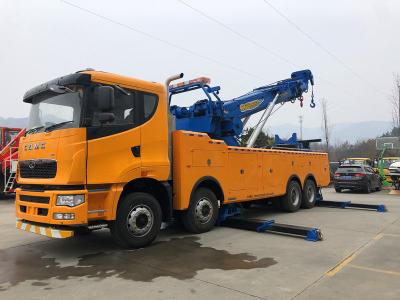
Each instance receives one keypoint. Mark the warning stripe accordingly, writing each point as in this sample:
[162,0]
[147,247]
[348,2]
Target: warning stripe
[46,231]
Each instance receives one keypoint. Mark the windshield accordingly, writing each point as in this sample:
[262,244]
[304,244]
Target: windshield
[51,109]
[356,162]
[352,169]
[9,136]
[388,162]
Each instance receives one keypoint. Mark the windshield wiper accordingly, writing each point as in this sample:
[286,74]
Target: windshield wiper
[54,126]
[34,129]
[121,90]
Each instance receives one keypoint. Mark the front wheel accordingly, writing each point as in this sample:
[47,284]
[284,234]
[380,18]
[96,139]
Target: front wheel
[292,200]
[202,212]
[138,221]
[309,194]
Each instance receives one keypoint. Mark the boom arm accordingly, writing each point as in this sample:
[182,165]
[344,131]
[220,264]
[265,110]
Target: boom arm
[224,119]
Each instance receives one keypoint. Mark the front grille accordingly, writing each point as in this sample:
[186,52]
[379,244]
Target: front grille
[38,168]
[42,187]
[34,199]
[42,211]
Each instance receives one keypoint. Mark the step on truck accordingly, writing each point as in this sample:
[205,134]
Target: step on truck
[104,150]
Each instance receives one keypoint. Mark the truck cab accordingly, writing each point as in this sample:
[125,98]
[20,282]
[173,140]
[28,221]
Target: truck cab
[91,137]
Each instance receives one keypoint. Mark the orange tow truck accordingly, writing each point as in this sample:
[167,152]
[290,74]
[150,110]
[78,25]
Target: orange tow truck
[104,150]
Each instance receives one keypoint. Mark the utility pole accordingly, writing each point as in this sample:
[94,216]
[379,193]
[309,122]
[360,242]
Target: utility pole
[398,111]
[301,127]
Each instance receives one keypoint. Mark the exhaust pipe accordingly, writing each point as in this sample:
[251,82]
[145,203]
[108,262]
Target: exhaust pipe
[169,80]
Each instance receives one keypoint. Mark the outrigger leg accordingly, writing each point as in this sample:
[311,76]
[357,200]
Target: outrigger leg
[348,204]
[229,217]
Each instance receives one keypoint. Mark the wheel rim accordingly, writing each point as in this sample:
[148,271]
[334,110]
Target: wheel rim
[204,210]
[310,194]
[140,220]
[295,197]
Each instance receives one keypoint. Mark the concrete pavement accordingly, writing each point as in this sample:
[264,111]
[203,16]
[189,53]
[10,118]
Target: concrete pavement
[359,259]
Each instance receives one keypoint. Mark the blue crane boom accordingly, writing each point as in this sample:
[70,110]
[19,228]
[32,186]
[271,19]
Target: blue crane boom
[225,119]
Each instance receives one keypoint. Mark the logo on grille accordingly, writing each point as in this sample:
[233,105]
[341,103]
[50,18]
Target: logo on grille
[31,165]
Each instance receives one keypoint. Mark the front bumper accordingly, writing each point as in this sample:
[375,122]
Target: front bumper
[45,230]
[39,207]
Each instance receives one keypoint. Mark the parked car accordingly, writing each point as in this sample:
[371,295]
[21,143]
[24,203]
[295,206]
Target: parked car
[357,177]
[394,173]
[333,165]
[385,163]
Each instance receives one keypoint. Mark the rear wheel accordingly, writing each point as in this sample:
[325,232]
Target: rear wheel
[292,200]
[202,212]
[138,220]
[379,188]
[367,188]
[309,194]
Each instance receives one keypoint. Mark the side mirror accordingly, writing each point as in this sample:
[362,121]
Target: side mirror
[106,117]
[105,98]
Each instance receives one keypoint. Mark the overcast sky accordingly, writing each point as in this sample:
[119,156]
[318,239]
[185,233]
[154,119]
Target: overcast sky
[44,39]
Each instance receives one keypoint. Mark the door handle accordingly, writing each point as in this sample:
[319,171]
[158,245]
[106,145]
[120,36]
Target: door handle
[136,151]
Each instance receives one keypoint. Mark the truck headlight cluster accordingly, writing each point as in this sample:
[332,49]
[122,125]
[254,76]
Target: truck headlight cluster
[70,200]
[63,216]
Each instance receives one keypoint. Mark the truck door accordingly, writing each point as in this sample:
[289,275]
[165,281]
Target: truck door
[134,144]
[114,148]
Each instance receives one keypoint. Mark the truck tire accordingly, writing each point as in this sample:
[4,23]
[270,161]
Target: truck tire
[291,202]
[309,194]
[138,221]
[202,212]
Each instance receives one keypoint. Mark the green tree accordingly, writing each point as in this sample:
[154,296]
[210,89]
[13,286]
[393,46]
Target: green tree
[263,140]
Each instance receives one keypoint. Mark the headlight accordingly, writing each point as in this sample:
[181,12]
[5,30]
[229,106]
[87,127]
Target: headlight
[70,200]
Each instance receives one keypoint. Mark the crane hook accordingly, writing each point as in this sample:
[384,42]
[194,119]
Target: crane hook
[301,101]
[312,104]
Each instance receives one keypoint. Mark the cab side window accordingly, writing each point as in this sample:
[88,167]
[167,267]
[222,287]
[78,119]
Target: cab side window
[124,110]
[149,104]
[130,111]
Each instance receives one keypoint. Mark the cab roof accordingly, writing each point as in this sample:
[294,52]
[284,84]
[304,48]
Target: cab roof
[87,76]
[111,78]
